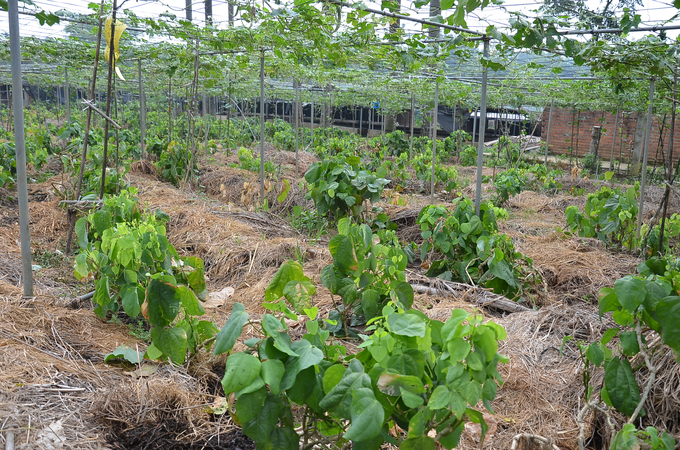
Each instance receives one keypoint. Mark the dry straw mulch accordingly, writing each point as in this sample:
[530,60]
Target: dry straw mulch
[574,269]
[56,391]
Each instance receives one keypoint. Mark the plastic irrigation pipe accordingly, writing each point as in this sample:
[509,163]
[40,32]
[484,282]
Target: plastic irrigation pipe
[20,145]
[482,129]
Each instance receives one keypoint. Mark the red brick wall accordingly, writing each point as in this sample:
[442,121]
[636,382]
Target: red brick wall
[561,141]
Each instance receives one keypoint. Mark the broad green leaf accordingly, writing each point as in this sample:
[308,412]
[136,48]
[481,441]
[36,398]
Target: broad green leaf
[501,270]
[622,388]
[102,294]
[152,352]
[344,226]
[656,291]
[196,279]
[487,342]
[474,361]
[272,372]
[423,442]
[249,405]
[101,220]
[471,391]
[172,342]
[130,300]
[500,332]
[630,292]
[608,301]
[271,325]
[393,384]
[367,416]
[595,354]
[308,356]
[629,343]
[452,439]
[241,370]
[123,351]
[163,303]
[370,300]
[230,332]
[411,400]
[418,425]
[289,271]
[332,376]
[477,417]
[282,343]
[340,397]
[189,301]
[457,404]
[439,398]
[81,232]
[298,293]
[260,427]
[284,438]
[252,387]
[458,349]
[406,325]
[344,256]
[405,364]
[404,294]
[668,315]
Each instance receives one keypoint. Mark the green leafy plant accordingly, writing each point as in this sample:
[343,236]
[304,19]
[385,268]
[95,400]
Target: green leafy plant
[365,274]
[339,186]
[135,267]
[639,305]
[468,156]
[591,164]
[544,180]
[508,184]
[413,372]
[463,246]
[308,221]
[173,163]
[248,161]
[610,215]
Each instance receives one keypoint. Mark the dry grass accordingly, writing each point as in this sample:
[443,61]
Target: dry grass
[574,269]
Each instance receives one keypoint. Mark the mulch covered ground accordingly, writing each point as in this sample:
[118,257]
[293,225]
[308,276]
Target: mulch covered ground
[57,392]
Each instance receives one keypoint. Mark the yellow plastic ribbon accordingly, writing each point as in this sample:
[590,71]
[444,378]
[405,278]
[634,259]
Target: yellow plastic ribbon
[118,32]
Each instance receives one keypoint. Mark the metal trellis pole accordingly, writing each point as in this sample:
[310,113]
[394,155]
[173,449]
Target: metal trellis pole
[142,109]
[262,126]
[482,129]
[413,119]
[20,146]
[297,126]
[312,117]
[616,127]
[648,129]
[67,96]
[435,115]
[547,136]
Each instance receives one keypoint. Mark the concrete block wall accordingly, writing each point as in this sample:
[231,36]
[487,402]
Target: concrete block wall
[562,142]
